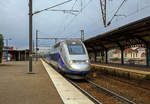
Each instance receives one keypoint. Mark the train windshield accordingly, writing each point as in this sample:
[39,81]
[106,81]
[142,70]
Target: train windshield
[76,49]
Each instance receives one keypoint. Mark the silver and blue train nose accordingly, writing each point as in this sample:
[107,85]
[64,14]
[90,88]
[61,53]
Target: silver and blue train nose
[80,65]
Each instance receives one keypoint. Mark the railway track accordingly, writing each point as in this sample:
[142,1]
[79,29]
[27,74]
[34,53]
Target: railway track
[132,84]
[98,88]
[115,95]
[85,92]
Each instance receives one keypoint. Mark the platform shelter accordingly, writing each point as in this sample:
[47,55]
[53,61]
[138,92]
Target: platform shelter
[130,35]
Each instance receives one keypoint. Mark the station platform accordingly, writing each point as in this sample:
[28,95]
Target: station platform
[132,72]
[45,86]
[19,87]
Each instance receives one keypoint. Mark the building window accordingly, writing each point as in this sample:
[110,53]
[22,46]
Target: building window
[143,54]
[125,54]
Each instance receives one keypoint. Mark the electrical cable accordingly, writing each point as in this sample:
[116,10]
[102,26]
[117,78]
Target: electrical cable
[72,19]
[138,10]
[116,12]
[66,16]
[74,4]
[76,16]
[135,12]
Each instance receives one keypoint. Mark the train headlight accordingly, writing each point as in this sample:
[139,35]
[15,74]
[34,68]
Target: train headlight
[87,61]
[71,61]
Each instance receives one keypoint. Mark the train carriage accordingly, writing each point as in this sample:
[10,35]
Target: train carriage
[71,58]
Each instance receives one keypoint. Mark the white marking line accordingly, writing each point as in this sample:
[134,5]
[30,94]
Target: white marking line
[69,94]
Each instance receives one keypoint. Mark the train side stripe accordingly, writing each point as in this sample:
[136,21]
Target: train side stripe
[61,63]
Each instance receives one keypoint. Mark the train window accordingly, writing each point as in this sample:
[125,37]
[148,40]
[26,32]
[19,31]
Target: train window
[76,49]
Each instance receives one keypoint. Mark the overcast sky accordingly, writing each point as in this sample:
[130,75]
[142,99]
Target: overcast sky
[14,18]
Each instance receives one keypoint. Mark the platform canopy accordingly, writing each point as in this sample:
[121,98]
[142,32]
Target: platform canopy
[135,33]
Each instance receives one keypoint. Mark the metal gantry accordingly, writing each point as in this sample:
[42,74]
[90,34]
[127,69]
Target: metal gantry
[103,6]
[103,11]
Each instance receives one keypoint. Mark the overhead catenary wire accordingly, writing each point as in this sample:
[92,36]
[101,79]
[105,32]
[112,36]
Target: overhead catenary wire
[74,4]
[57,30]
[51,7]
[116,12]
[70,22]
[137,11]
[81,5]
[66,17]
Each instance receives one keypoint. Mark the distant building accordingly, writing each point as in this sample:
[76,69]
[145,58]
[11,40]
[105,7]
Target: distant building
[15,55]
[136,53]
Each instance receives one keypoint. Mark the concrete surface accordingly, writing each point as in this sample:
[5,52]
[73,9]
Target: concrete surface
[133,73]
[18,87]
[68,93]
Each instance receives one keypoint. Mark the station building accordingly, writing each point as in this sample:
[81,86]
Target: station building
[15,54]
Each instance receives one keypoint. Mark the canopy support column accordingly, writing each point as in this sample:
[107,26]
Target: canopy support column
[95,56]
[102,55]
[148,55]
[122,55]
[106,58]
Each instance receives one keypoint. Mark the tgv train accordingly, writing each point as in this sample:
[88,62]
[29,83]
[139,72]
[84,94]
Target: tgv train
[71,58]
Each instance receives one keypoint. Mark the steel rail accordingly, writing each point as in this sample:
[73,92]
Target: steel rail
[123,99]
[85,92]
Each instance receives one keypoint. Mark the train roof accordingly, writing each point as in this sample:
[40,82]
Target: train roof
[73,40]
[68,41]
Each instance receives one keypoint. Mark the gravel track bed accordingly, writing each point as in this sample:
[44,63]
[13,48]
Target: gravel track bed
[133,93]
[99,95]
